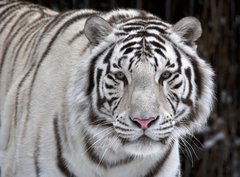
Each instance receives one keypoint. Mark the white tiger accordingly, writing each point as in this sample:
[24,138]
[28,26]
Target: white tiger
[94,94]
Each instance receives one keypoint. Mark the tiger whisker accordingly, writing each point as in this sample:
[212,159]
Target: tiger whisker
[105,153]
[185,147]
[97,141]
[193,150]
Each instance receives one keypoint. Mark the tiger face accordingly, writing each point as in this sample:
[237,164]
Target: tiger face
[146,83]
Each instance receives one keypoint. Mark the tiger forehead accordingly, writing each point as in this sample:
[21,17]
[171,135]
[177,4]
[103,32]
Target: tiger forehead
[146,36]
[143,40]
[144,45]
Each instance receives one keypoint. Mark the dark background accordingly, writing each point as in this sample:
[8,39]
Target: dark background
[216,151]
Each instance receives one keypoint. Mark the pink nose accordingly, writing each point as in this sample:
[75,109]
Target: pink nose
[144,123]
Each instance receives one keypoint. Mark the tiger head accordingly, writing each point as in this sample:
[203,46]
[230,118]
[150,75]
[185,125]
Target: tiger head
[145,81]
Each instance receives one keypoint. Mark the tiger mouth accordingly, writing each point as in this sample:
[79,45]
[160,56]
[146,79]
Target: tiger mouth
[145,140]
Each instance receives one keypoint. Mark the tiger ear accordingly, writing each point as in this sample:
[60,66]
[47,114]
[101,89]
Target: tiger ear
[189,28]
[96,29]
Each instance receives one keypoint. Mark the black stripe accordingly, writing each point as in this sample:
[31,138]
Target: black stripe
[18,92]
[61,162]
[198,76]
[179,62]
[119,34]
[188,74]
[137,23]
[177,85]
[109,86]
[97,121]
[129,38]
[11,8]
[75,19]
[9,38]
[30,45]
[130,44]
[91,73]
[100,100]
[153,172]
[128,50]
[21,42]
[108,56]
[159,51]
[131,62]
[112,79]
[158,45]
[129,29]
[156,61]
[112,100]
[116,106]
[76,36]
[176,76]
[3,26]
[158,23]
[171,66]
[157,37]
[175,97]
[36,155]
[35,43]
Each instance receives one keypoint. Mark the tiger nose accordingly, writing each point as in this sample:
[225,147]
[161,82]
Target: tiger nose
[144,123]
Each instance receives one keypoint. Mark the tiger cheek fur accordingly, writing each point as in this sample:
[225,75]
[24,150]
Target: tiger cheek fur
[98,94]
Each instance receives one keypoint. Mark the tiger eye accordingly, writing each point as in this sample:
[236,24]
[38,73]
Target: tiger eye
[120,75]
[166,74]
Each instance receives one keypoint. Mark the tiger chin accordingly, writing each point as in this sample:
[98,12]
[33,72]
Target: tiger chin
[98,94]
